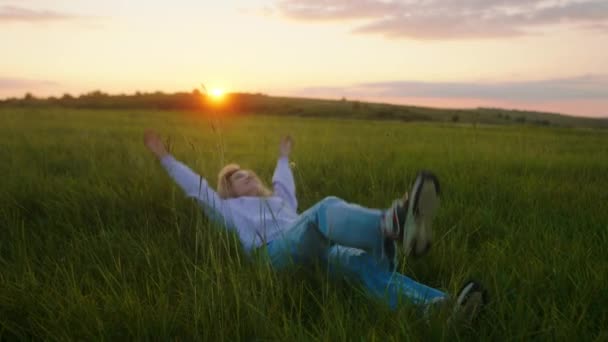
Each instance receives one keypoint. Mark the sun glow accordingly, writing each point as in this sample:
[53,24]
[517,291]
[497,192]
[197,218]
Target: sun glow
[217,93]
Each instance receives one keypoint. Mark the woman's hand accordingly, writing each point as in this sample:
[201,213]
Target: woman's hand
[285,146]
[154,143]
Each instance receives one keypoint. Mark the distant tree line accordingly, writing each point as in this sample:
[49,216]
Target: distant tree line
[194,100]
[241,103]
[248,103]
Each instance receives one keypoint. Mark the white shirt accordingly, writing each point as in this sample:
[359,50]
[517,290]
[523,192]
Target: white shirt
[257,220]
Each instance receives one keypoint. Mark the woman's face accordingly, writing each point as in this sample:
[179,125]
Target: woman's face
[244,183]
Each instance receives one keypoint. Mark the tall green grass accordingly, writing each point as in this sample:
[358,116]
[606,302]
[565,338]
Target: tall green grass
[97,242]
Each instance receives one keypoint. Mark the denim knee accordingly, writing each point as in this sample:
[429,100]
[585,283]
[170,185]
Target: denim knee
[330,200]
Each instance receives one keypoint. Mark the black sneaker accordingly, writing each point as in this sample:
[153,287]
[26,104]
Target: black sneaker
[410,219]
[471,299]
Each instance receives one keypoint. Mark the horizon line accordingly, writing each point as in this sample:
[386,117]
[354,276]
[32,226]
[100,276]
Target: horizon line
[303,97]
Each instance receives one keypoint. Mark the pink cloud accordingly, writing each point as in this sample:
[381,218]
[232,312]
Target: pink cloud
[12,86]
[450,19]
[582,95]
[20,14]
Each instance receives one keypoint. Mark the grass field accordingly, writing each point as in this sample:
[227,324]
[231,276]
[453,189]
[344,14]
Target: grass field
[97,242]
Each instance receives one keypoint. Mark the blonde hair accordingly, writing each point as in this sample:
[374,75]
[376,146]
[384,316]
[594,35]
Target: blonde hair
[224,185]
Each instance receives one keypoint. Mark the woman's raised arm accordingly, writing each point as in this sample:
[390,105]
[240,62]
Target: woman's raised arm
[282,179]
[193,184]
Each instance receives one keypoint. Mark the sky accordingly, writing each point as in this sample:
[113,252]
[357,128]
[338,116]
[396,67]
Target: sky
[548,55]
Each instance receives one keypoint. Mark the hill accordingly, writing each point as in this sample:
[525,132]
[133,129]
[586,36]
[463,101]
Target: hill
[246,103]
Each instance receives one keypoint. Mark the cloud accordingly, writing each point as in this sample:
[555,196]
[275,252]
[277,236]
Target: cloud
[450,19]
[586,87]
[336,10]
[20,84]
[20,14]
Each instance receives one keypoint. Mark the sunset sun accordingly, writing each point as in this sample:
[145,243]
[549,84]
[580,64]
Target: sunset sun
[217,93]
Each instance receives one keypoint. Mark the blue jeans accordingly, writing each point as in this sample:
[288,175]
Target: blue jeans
[348,238]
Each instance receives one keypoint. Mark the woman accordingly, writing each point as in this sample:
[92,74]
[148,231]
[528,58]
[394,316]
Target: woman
[355,242]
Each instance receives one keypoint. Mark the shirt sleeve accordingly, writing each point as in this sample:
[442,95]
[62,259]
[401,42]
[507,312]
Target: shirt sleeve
[195,186]
[283,183]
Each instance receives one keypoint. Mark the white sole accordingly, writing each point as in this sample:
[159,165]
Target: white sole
[422,208]
[463,294]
